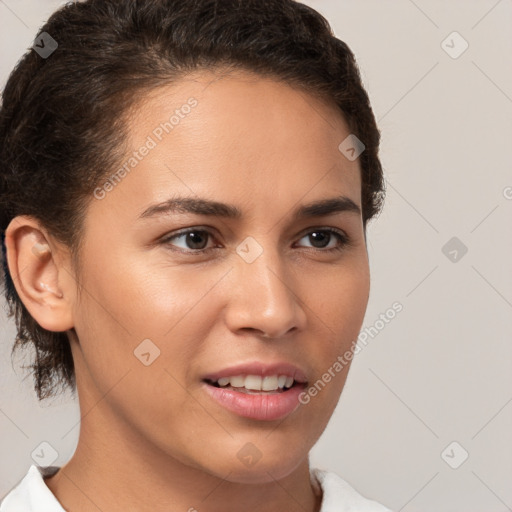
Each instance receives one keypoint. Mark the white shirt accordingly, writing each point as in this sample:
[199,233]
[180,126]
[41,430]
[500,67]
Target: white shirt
[32,494]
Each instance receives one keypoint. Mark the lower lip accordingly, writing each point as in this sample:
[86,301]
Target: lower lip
[262,406]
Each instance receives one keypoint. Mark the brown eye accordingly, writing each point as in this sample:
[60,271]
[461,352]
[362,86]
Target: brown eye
[320,239]
[195,240]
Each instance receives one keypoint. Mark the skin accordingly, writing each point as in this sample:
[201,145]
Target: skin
[151,434]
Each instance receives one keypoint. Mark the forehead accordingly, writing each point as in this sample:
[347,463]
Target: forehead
[234,136]
[246,99]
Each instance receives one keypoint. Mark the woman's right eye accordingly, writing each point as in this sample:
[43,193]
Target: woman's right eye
[194,239]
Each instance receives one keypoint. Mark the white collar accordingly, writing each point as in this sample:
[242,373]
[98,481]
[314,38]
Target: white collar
[32,494]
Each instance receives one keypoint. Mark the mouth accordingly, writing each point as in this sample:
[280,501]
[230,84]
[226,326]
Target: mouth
[255,384]
[258,392]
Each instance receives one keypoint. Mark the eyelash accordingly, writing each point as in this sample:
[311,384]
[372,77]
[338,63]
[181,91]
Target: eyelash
[342,237]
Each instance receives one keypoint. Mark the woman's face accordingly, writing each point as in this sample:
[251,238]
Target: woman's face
[163,313]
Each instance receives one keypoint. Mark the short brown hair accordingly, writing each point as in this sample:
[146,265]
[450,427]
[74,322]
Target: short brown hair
[62,127]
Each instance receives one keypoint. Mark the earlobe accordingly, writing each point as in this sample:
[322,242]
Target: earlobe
[37,274]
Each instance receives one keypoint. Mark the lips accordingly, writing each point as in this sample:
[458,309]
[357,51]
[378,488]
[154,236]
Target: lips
[257,390]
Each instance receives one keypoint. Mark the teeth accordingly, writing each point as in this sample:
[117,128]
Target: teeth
[253,382]
[223,381]
[269,383]
[238,381]
[256,382]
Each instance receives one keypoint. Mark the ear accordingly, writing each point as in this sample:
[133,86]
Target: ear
[41,273]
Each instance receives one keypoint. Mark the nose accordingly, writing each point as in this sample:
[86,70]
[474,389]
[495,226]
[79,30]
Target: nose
[265,297]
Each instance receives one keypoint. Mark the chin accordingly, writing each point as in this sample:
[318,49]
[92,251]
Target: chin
[276,465]
[262,475]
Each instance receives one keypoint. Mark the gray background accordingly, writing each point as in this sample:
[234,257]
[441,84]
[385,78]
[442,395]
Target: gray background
[440,371]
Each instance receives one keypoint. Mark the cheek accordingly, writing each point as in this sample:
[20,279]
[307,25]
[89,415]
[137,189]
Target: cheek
[338,305]
[348,308]
[339,299]
[139,311]
[117,317]
[141,298]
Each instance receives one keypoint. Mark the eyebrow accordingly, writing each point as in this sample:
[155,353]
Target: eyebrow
[201,206]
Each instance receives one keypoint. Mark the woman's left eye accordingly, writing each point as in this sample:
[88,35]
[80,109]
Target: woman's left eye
[195,239]
[342,238]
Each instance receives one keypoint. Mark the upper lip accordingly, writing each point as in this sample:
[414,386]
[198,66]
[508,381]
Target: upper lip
[261,369]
